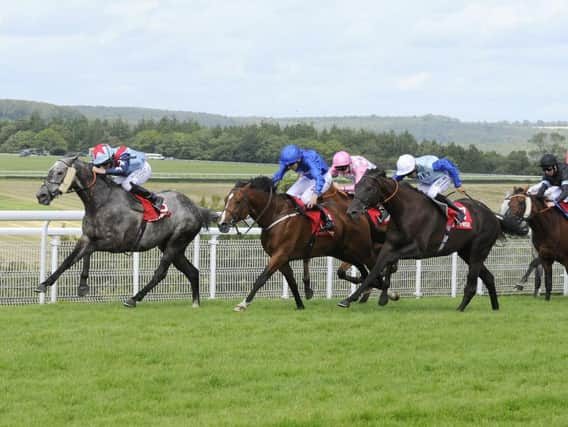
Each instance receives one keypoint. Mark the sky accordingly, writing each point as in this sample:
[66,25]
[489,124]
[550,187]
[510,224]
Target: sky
[471,60]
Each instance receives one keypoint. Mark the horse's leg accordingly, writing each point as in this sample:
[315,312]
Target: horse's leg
[159,274]
[533,265]
[274,263]
[547,267]
[342,273]
[306,279]
[489,282]
[188,269]
[390,269]
[473,258]
[384,259]
[83,288]
[537,279]
[289,275]
[81,249]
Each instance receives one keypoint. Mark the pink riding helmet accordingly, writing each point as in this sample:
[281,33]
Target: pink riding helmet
[341,158]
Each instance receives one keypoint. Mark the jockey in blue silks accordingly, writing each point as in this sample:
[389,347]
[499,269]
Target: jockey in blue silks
[314,177]
[128,168]
[434,176]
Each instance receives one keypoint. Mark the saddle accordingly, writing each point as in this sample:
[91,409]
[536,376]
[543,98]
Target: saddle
[150,213]
[314,216]
[450,215]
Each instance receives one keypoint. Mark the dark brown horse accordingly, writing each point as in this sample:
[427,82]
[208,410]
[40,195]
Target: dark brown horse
[548,225]
[286,234]
[420,231]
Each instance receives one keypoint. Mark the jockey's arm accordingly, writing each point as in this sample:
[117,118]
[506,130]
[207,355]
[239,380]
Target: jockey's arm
[277,177]
[445,165]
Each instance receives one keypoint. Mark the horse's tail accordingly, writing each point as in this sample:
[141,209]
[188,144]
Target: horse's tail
[513,225]
[207,216]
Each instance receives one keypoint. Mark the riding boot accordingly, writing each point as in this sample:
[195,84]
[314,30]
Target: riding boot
[460,216]
[156,200]
[327,222]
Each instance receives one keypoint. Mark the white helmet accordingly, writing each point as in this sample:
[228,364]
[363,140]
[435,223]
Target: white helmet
[405,164]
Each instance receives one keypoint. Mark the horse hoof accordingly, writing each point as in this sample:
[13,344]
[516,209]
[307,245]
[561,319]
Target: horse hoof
[519,287]
[394,296]
[239,308]
[83,291]
[130,303]
[343,304]
[301,307]
[309,293]
[195,305]
[384,299]
[41,288]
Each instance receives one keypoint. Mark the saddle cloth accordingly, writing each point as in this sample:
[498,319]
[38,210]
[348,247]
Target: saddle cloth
[563,207]
[378,216]
[150,213]
[315,217]
[466,224]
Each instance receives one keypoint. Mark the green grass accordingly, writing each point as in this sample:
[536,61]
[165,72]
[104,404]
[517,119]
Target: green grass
[41,164]
[414,362]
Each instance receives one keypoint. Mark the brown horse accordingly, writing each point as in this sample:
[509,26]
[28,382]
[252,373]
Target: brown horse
[286,233]
[548,227]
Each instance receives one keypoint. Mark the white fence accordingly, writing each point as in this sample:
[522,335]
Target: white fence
[228,266]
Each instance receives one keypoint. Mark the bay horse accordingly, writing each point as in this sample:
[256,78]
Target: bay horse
[548,226]
[286,234]
[420,231]
[113,222]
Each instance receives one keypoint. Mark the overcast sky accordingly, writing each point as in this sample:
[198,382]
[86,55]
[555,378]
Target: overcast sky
[473,60]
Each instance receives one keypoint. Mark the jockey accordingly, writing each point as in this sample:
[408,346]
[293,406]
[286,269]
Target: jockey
[351,167]
[554,184]
[128,168]
[314,177]
[434,176]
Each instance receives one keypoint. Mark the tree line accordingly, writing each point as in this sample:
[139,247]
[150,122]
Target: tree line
[259,143]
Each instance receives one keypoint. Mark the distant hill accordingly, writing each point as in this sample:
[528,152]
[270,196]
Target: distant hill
[14,109]
[502,137]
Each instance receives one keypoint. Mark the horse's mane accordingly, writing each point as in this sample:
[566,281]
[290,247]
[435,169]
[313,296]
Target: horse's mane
[262,183]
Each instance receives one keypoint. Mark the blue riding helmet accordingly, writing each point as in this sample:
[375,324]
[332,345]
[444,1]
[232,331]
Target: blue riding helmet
[290,154]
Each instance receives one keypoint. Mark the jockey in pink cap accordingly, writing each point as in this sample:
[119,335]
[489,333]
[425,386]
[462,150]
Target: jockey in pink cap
[351,167]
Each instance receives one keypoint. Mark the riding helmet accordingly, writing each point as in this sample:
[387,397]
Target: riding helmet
[341,159]
[405,164]
[290,154]
[548,160]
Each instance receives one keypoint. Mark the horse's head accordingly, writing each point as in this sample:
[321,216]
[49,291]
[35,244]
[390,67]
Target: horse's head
[236,209]
[59,180]
[246,198]
[367,192]
[517,204]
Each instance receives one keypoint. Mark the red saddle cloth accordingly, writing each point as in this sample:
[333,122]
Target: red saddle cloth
[564,205]
[378,217]
[466,224]
[150,213]
[315,218]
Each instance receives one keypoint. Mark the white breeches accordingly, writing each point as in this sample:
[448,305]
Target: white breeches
[551,193]
[139,176]
[437,187]
[304,187]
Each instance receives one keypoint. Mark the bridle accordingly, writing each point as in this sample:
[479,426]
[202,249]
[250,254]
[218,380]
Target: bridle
[246,199]
[376,180]
[528,208]
[64,184]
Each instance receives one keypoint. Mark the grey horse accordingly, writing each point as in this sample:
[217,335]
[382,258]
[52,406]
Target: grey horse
[113,222]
